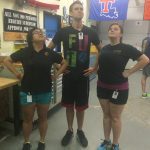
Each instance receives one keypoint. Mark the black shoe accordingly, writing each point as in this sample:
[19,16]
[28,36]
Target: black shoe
[67,138]
[41,146]
[26,146]
[81,138]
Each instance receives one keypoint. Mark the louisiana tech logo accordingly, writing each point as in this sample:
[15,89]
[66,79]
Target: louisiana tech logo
[108,9]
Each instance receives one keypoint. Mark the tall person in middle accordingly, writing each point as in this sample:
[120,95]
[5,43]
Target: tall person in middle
[76,39]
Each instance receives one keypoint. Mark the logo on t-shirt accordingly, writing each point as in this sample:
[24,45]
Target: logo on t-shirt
[78,49]
[46,53]
[117,51]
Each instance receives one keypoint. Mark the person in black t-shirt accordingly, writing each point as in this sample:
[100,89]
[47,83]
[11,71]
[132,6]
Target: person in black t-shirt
[146,69]
[112,85]
[36,82]
[76,39]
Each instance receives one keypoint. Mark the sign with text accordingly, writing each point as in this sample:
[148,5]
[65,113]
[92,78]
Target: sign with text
[15,21]
[147,10]
[107,10]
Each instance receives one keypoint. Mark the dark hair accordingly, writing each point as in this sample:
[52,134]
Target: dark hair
[115,23]
[30,37]
[121,28]
[75,2]
[146,49]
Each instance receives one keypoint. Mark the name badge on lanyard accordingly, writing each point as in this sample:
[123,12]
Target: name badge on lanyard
[80,35]
[115,94]
[29,98]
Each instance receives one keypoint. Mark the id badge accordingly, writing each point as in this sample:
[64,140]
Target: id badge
[115,94]
[80,35]
[29,98]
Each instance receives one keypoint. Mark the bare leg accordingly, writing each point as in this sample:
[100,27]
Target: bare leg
[106,118]
[28,113]
[116,111]
[70,117]
[143,83]
[42,110]
[80,119]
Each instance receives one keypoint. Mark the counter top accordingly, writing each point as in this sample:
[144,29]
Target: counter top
[17,64]
[7,82]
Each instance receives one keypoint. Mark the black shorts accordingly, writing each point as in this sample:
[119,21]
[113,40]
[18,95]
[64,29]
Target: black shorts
[75,92]
[103,93]
[146,70]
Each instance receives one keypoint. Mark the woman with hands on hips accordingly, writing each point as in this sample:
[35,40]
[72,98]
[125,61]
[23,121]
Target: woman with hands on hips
[36,82]
[112,85]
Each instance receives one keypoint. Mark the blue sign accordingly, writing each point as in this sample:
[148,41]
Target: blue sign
[107,10]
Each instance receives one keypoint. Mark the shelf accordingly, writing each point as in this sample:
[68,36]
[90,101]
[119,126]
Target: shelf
[25,43]
[21,42]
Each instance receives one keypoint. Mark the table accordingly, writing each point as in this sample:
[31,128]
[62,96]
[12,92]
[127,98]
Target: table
[12,84]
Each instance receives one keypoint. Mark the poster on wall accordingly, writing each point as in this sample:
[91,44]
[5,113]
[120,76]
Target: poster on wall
[108,10]
[147,10]
[15,21]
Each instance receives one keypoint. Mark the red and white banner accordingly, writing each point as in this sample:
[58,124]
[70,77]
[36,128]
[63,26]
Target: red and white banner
[147,10]
[43,4]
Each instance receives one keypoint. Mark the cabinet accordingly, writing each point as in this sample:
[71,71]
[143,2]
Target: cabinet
[9,103]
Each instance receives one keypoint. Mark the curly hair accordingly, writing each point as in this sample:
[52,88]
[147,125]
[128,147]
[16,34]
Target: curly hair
[30,37]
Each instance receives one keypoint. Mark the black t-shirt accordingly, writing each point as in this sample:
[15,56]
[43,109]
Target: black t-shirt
[76,46]
[112,62]
[37,68]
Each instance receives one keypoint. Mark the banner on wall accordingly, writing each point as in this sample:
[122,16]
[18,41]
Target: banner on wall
[107,10]
[44,4]
[15,21]
[147,10]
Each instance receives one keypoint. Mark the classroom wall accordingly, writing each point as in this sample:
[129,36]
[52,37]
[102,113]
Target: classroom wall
[7,47]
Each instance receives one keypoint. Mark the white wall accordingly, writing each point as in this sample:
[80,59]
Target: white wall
[135,10]
[135,31]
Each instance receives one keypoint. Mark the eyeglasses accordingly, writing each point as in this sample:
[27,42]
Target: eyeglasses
[37,32]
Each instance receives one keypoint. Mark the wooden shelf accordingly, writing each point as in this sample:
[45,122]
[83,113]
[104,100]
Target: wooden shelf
[20,43]
[7,82]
